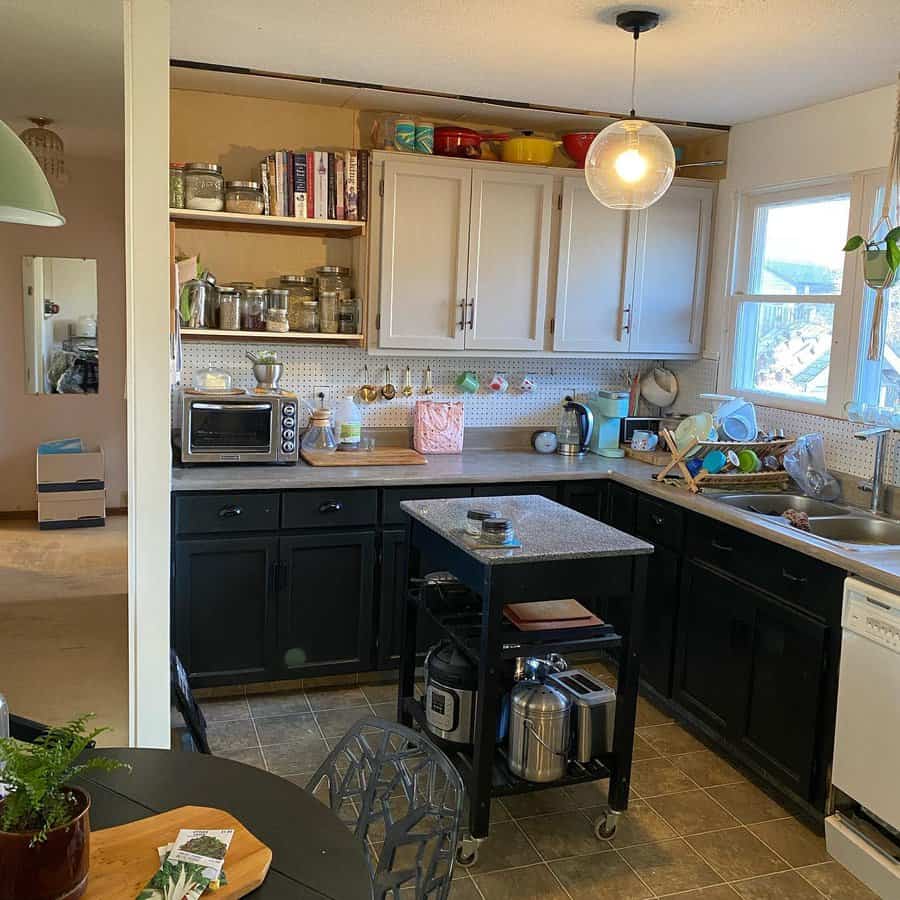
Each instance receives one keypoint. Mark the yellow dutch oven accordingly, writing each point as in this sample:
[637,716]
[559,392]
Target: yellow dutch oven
[529,149]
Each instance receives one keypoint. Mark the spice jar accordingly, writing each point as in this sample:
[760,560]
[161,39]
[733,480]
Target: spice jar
[229,309]
[204,186]
[244,197]
[308,317]
[348,316]
[176,185]
[253,310]
[277,320]
[328,312]
[337,279]
[300,288]
[497,532]
[476,517]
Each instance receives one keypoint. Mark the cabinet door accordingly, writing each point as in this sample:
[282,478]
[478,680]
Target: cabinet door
[517,489]
[668,251]
[586,497]
[710,675]
[509,248]
[785,690]
[591,290]
[424,255]
[325,602]
[660,613]
[224,608]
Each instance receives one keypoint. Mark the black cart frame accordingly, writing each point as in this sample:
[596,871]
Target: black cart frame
[493,640]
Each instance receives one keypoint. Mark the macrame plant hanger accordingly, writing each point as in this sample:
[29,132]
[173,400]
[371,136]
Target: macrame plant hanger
[891,203]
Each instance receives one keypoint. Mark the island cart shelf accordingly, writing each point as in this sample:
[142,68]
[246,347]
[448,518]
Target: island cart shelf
[563,554]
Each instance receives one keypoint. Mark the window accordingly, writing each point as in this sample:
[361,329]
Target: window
[789,294]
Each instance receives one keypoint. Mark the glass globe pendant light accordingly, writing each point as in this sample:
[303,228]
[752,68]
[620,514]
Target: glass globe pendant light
[631,163]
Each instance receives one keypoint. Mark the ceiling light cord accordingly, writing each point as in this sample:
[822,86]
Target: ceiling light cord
[637,34]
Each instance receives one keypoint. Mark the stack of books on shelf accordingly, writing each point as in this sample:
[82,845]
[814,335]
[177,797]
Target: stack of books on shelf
[316,184]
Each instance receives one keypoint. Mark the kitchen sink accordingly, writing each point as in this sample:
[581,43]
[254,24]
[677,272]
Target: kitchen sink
[863,531]
[776,504]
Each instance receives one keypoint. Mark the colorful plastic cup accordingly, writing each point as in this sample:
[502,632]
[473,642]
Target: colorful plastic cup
[714,461]
[405,135]
[424,137]
[748,462]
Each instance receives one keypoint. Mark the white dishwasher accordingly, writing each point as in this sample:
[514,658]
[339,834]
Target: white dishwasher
[864,832]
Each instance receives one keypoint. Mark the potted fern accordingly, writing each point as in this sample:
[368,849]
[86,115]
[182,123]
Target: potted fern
[44,820]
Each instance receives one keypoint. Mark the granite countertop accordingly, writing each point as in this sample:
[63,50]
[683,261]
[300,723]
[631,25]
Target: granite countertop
[881,567]
[547,531]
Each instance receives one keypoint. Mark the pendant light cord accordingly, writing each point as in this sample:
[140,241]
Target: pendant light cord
[637,34]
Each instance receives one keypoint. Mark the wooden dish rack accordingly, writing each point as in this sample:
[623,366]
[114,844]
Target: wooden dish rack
[725,479]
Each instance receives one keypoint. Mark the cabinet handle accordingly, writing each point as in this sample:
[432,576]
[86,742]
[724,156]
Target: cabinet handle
[657,519]
[793,579]
[626,320]
[471,313]
[461,324]
[723,548]
[331,506]
[230,512]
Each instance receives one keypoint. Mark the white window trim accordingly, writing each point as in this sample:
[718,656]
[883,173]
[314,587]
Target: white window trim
[848,304]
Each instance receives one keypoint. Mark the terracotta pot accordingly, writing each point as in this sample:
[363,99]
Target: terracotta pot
[55,869]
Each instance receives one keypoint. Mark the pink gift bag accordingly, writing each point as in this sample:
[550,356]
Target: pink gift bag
[438,427]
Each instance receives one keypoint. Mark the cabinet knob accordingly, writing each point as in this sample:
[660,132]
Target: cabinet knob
[723,548]
[657,519]
[793,579]
[230,512]
[331,506]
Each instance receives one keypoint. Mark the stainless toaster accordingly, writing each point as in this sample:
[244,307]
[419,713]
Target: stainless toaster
[593,712]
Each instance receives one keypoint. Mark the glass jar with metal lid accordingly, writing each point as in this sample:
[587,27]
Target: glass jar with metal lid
[328,312]
[253,310]
[229,309]
[337,279]
[176,185]
[476,517]
[300,288]
[348,316]
[307,319]
[244,197]
[204,186]
[277,310]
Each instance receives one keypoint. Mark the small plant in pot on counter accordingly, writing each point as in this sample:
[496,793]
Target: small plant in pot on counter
[44,820]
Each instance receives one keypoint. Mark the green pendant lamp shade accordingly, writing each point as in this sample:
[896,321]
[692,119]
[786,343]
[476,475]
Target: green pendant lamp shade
[25,194]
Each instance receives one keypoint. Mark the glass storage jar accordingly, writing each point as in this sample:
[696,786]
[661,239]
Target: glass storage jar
[308,317]
[253,310]
[328,312]
[176,185]
[277,310]
[244,197]
[348,316]
[229,309]
[299,288]
[337,279]
[204,186]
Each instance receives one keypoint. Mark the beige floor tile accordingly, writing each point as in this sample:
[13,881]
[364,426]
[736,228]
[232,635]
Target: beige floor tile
[380,693]
[670,740]
[707,768]
[648,714]
[250,757]
[749,804]
[225,709]
[642,750]
[593,793]
[669,866]
[224,737]
[600,875]
[463,889]
[507,846]
[639,824]
[793,840]
[655,776]
[736,853]
[386,711]
[783,886]
[538,803]
[530,883]
[716,892]
[296,758]
[337,698]
[692,812]
[562,834]
[285,729]
[284,703]
[336,723]
[836,883]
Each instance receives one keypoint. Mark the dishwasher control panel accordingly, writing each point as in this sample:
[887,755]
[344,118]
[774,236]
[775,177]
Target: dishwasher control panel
[872,613]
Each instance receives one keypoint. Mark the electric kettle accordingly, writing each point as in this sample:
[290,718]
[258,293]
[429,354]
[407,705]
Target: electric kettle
[575,426]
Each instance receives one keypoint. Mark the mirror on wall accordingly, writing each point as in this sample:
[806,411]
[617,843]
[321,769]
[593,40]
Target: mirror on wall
[61,350]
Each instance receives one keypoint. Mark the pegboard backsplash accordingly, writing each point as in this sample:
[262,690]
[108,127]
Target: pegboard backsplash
[343,370]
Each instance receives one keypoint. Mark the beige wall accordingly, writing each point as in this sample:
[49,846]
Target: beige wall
[93,204]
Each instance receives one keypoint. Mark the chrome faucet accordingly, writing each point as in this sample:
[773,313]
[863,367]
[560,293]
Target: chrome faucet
[876,486]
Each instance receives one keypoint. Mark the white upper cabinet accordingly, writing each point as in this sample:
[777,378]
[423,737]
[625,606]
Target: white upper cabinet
[669,246]
[592,295]
[509,253]
[424,255]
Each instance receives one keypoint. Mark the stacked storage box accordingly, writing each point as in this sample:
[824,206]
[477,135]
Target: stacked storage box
[71,487]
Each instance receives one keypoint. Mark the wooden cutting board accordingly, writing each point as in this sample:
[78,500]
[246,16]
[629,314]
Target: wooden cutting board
[124,859]
[549,614]
[380,456]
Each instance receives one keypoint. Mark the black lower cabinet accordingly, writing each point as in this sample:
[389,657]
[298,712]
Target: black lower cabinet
[325,602]
[660,614]
[224,608]
[586,497]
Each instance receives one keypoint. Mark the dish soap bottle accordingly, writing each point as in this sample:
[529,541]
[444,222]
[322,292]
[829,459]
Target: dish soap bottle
[347,424]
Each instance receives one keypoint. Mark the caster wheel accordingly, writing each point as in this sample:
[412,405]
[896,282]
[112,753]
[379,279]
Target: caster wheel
[605,827]
[467,853]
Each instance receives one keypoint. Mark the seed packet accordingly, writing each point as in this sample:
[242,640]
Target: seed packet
[189,866]
[202,847]
[175,881]
[194,893]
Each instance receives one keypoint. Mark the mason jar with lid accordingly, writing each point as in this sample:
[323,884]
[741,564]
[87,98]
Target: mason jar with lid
[348,316]
[244,197]
[204,186]
[308,317]
[176,185]
[229,309]
[328,312]
[299,288]
[253,310]
[337,279]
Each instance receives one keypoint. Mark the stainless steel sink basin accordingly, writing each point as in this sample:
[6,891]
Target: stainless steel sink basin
[776,504]
[862,531]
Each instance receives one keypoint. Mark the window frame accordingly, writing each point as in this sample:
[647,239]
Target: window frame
[847,304]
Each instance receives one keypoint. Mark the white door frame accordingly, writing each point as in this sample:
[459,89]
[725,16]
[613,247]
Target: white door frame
[146,39]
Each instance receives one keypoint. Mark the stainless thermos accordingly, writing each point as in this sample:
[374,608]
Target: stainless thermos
[538,732]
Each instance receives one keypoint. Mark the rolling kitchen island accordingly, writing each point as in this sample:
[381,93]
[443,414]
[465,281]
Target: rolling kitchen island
[563,554]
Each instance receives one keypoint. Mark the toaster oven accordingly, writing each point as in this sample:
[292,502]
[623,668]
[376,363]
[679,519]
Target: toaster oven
[239,428]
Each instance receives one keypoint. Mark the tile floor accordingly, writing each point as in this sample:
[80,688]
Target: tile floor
[698,828]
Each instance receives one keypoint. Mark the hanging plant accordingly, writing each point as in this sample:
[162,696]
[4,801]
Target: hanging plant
[882,254]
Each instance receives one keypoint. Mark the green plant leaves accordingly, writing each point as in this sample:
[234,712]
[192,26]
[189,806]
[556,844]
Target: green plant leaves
[893,254]
[854,243]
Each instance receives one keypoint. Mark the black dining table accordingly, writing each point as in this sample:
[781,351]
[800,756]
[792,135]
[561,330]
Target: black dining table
[314,854]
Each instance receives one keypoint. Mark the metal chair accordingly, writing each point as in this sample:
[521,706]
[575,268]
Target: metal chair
[193,736]
[391,784]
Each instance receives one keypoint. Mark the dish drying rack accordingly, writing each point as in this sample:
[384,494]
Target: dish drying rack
[725,479]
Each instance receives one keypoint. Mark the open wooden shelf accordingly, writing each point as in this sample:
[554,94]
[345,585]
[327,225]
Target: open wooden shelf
[287,337]
[225,221]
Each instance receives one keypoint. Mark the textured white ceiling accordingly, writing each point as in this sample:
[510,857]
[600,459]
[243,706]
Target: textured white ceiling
[723,61]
